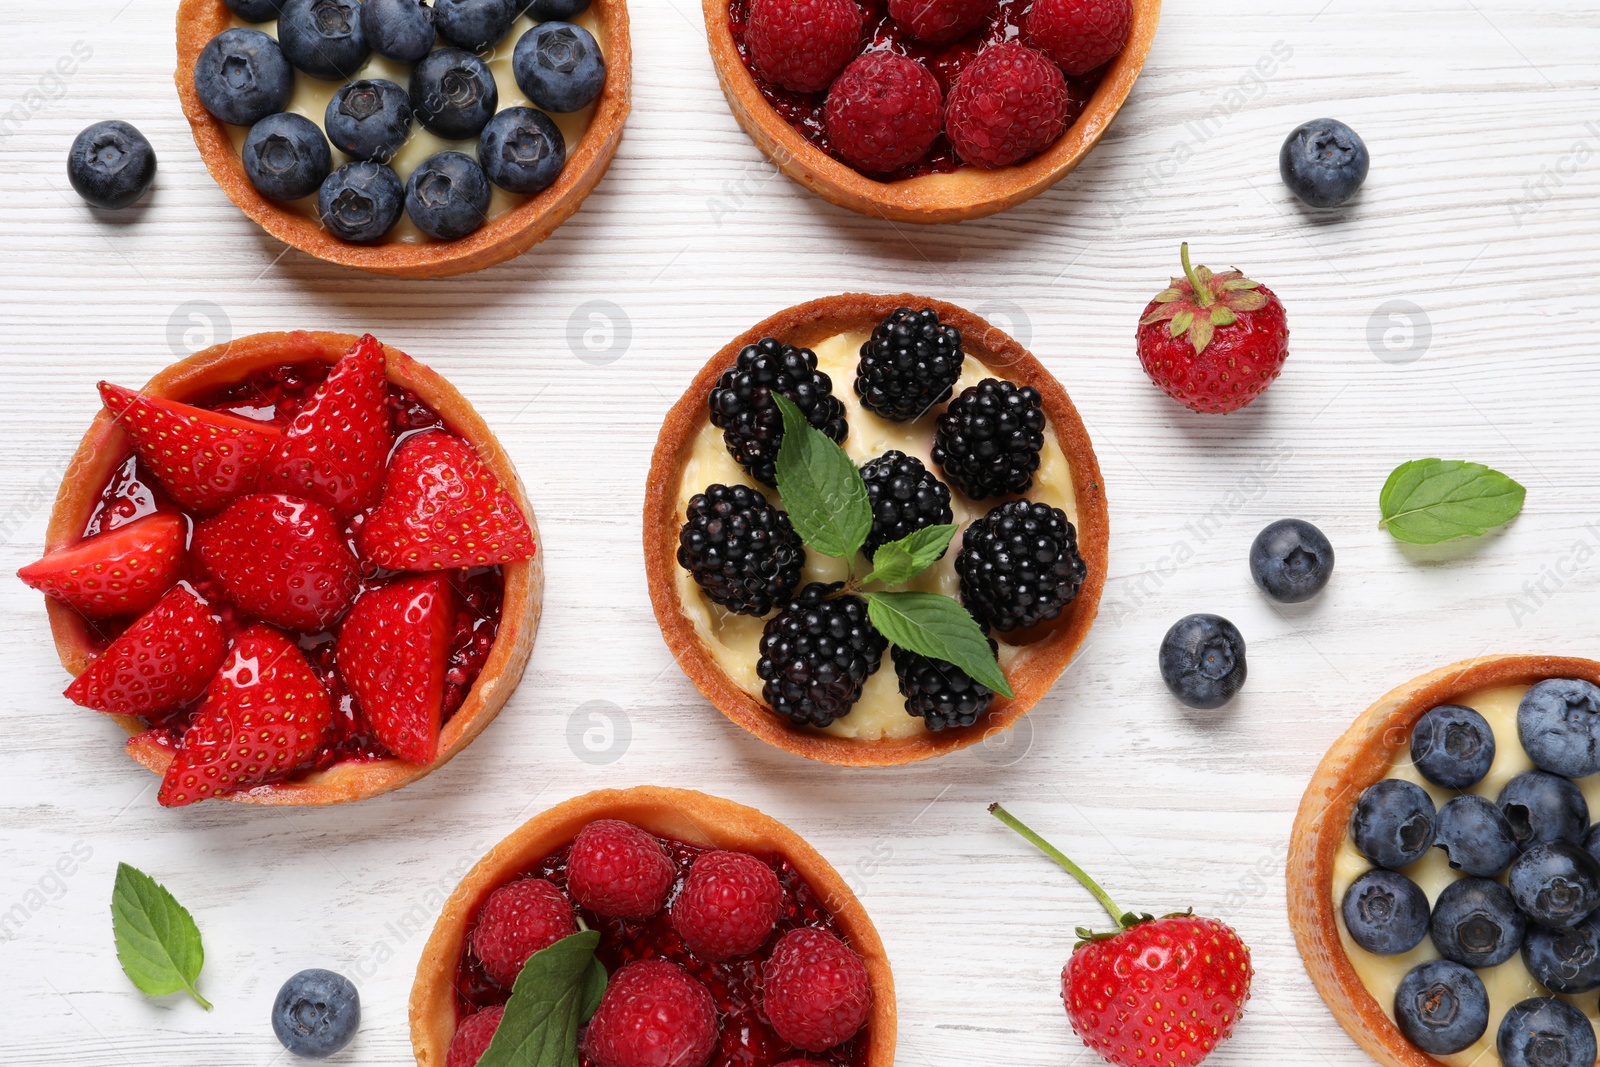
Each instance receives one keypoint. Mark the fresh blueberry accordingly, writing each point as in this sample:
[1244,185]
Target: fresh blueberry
[559,66]
[323,38]
[552,10]
[1441,1007]
[368,119]
[1475,836]
[1453,746]
[1544,807]
[447,196]
[522,150]
[361,201]
[1323,162]
[453,93]
[111,164]
[476,25]
[401,30]
[256,10]
[1556,884]
[1475,922]
[1393,824]
[1291,561]
[1202,660]
[241,76]
[1565,961]
[1558,722]
[1385,912]
[1545,1032]
[286,156]
[316,1014]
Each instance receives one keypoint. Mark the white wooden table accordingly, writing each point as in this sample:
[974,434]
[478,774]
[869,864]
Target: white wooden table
[1480,214]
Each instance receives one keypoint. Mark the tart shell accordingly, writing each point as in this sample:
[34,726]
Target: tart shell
[1358,759]
[1030,677]
[966,193]
[105,446]
[685,815]
[497,240]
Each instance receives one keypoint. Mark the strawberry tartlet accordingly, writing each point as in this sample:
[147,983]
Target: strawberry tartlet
[298,569]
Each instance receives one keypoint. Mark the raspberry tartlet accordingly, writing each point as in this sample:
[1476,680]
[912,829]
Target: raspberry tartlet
[309,536]
[380,145]
[928,111]
[953,426]
[726,938]
[1442,886]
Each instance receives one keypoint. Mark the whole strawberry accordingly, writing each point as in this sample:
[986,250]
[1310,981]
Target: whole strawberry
[1153,992]
[1213,342]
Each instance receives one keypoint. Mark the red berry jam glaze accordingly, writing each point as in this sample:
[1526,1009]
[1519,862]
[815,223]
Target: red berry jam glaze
[745,1038]
[804,111]
[275,396]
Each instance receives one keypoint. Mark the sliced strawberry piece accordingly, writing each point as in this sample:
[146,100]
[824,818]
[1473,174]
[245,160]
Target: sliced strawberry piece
[264,715]
[203,459]
[442,509]
[120,572]
[160,663]
[335,450]
[280,559]
[393,649]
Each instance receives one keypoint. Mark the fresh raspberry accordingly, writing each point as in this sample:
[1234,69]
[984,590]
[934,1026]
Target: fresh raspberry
[518,920]
[1008,105]
[617,869]
[653,1014]
[473,1037]
[802,44]
[815,989]
[883,112]
[1080,35]
[939,20]
[728,905]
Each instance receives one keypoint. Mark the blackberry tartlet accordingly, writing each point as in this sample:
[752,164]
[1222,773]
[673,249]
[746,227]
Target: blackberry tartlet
[1022,573]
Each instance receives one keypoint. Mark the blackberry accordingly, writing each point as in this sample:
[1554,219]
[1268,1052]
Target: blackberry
[940,693]
[741,549]
[988,439]
[816,654]
[1019,565]
[905,497]
[742,407]
[911,363]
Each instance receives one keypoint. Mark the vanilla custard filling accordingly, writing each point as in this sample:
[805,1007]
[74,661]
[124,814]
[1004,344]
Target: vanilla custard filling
[734,640]
[311,96]
[1506,984]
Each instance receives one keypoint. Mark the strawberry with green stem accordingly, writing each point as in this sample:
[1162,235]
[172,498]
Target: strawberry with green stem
[1152,992]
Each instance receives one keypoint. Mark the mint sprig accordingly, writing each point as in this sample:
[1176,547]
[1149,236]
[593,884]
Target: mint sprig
[897,562]
[934,625]
[158,943]
[1427,501]
[558,991]
[822,490]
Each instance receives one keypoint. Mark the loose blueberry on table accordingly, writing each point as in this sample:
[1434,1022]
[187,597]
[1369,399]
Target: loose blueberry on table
[111,165]
[1291,561]
[1323,162]
[316,1014]
[1202,661]
[716,958]
[310,552]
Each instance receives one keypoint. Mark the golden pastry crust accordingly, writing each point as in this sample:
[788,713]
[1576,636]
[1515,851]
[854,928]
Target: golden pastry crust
[105,446]
[1040,663]
[1361,757]
[509,235]
[968,193]
[685,815]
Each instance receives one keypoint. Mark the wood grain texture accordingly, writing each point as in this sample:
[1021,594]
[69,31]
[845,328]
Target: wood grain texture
[1481,210]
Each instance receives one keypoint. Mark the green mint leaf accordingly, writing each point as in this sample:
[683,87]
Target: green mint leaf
[897,562]
[822,490]
[1428,501]
[938,627]
[555,994]
[158,943]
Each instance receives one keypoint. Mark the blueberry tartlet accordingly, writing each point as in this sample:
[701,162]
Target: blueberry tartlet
[947,432]
[296,569]
[716,936]
[400,137]
[1444,885]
